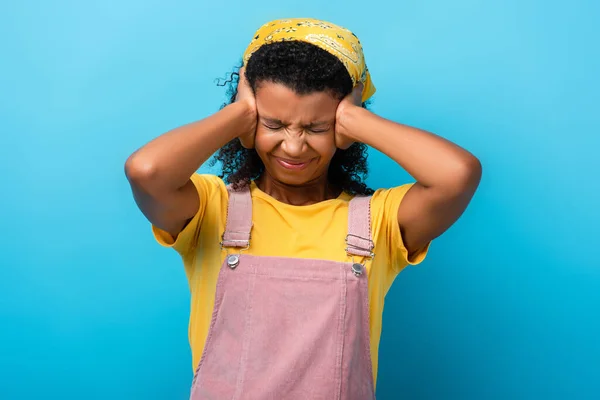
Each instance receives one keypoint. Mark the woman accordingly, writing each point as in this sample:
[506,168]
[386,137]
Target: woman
[286,291]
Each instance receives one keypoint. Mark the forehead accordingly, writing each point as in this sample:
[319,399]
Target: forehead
[274,100]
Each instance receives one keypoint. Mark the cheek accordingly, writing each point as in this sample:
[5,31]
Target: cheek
[265,142]
[324,145]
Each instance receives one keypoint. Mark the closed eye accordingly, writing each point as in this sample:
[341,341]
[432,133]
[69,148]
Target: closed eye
[318,130]
[273,127]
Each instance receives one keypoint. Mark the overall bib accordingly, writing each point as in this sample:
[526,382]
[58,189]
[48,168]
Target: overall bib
[288,328]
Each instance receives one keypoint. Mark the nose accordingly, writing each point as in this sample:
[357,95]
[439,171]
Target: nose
[294,143]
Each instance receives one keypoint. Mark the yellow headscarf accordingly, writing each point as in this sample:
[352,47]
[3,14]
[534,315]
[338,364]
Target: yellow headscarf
[334,39]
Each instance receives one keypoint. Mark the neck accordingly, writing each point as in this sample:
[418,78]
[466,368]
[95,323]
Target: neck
[306,194]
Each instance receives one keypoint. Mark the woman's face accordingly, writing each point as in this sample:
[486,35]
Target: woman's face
[295,133]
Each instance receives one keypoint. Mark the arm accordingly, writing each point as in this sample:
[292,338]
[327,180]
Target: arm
[159,173]
[447,175]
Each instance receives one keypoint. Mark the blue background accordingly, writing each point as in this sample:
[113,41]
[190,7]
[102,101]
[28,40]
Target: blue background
[507,305]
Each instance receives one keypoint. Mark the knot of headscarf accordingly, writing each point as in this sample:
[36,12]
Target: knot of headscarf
[334,39]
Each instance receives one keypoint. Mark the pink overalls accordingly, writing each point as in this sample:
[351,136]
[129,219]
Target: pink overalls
[288,328]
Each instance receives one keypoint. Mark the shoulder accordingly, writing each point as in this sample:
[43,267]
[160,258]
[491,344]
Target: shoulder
[385,204]
[208,182]
[389,199]
[212,190]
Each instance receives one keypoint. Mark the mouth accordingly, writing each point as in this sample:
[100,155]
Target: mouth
[295,165]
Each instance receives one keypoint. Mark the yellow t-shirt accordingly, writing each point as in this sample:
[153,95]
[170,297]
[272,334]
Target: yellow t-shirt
[313,231]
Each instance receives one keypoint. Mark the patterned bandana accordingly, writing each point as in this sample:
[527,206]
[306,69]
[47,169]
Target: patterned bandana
[334,39]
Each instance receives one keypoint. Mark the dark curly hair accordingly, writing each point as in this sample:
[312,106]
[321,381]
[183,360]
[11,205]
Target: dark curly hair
[304,68]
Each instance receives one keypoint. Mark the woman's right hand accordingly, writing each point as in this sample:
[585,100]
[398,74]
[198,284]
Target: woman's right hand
[246,96]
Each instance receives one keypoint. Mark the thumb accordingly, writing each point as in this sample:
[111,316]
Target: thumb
[357,93]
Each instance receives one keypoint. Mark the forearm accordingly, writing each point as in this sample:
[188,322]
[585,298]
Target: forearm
[430,159]
[167,162]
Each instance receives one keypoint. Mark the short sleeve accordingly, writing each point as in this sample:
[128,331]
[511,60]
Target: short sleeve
[207,187]
[384,208]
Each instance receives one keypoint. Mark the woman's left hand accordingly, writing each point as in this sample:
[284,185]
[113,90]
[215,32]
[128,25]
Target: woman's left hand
[354,99]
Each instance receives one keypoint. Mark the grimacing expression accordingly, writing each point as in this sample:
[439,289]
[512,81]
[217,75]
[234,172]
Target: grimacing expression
[295,136]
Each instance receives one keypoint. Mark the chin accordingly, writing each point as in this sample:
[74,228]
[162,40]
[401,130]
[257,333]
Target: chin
[292,178]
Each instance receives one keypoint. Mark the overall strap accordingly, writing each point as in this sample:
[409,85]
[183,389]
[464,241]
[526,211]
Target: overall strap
[239,218]
[358,240]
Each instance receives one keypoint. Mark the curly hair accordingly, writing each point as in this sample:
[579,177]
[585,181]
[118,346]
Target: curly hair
[305,69]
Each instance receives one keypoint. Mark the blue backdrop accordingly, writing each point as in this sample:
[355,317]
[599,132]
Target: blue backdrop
[507,305]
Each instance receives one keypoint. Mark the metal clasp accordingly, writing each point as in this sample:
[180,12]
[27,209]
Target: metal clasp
[369,249]
[236,240]
[241,249]
[233,260]
[359,268]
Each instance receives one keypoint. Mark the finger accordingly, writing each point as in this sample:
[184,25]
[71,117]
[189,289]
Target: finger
[242,74]
[358,91]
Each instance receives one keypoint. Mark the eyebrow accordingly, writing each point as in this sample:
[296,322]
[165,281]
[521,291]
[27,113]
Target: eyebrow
[272,120]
